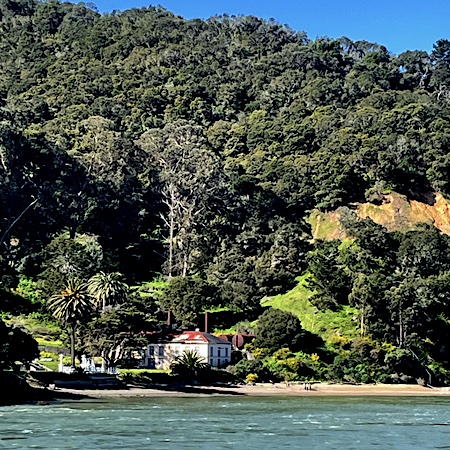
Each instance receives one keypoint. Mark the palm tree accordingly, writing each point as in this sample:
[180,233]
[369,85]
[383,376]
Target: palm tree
[107,288]
[70,306]
[189,364]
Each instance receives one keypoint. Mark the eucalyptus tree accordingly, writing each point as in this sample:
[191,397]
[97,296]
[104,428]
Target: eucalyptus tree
[416,68]
[190,178]
[70,306]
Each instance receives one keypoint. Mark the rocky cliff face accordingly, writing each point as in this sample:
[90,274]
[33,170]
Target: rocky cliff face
[396,213]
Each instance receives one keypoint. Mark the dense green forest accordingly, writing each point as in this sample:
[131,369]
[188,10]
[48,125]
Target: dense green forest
[187,155]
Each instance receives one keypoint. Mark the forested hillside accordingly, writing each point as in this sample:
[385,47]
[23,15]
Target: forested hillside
[194,152]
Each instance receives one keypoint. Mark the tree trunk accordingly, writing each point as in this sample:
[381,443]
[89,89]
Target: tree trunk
[185,265]
[171,232]
[104,362]
[400,326]
[72,231]
[362,330]
[72,345]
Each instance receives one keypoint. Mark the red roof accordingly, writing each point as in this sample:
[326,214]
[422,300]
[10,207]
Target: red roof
[186,336]
[190,336]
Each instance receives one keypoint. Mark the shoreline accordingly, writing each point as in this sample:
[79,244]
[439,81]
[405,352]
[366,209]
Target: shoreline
[259,390]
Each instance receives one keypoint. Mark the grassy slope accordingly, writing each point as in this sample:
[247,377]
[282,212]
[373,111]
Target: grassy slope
[325,323]
[236,328]
[46,333]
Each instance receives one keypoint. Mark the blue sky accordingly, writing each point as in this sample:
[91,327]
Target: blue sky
[398,24]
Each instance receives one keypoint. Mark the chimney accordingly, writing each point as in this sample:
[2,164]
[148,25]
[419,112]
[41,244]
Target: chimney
[206,322]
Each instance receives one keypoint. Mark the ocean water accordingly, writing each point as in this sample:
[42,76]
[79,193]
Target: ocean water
[231,423]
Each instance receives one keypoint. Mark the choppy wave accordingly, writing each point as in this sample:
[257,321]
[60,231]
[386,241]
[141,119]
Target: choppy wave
[255,423]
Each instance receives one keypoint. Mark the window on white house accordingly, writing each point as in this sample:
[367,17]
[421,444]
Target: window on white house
[161,350]
[226,351]
[151,350]
[218,351]
[211,351]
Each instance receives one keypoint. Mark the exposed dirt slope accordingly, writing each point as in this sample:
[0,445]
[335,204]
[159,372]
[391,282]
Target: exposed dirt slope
[395,213]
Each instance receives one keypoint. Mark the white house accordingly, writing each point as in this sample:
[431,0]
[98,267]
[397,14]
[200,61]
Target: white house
[164,348]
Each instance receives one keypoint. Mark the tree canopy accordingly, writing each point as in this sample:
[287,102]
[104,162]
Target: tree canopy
[193,152]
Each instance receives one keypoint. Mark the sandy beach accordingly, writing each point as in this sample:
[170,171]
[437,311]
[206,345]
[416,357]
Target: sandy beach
[318,389]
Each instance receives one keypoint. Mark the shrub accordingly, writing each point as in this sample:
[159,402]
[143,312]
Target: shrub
[246,366]
[142,376]
[51,355]
[251,378]
[280,329]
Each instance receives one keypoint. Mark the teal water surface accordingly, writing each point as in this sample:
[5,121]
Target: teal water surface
[231,423]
